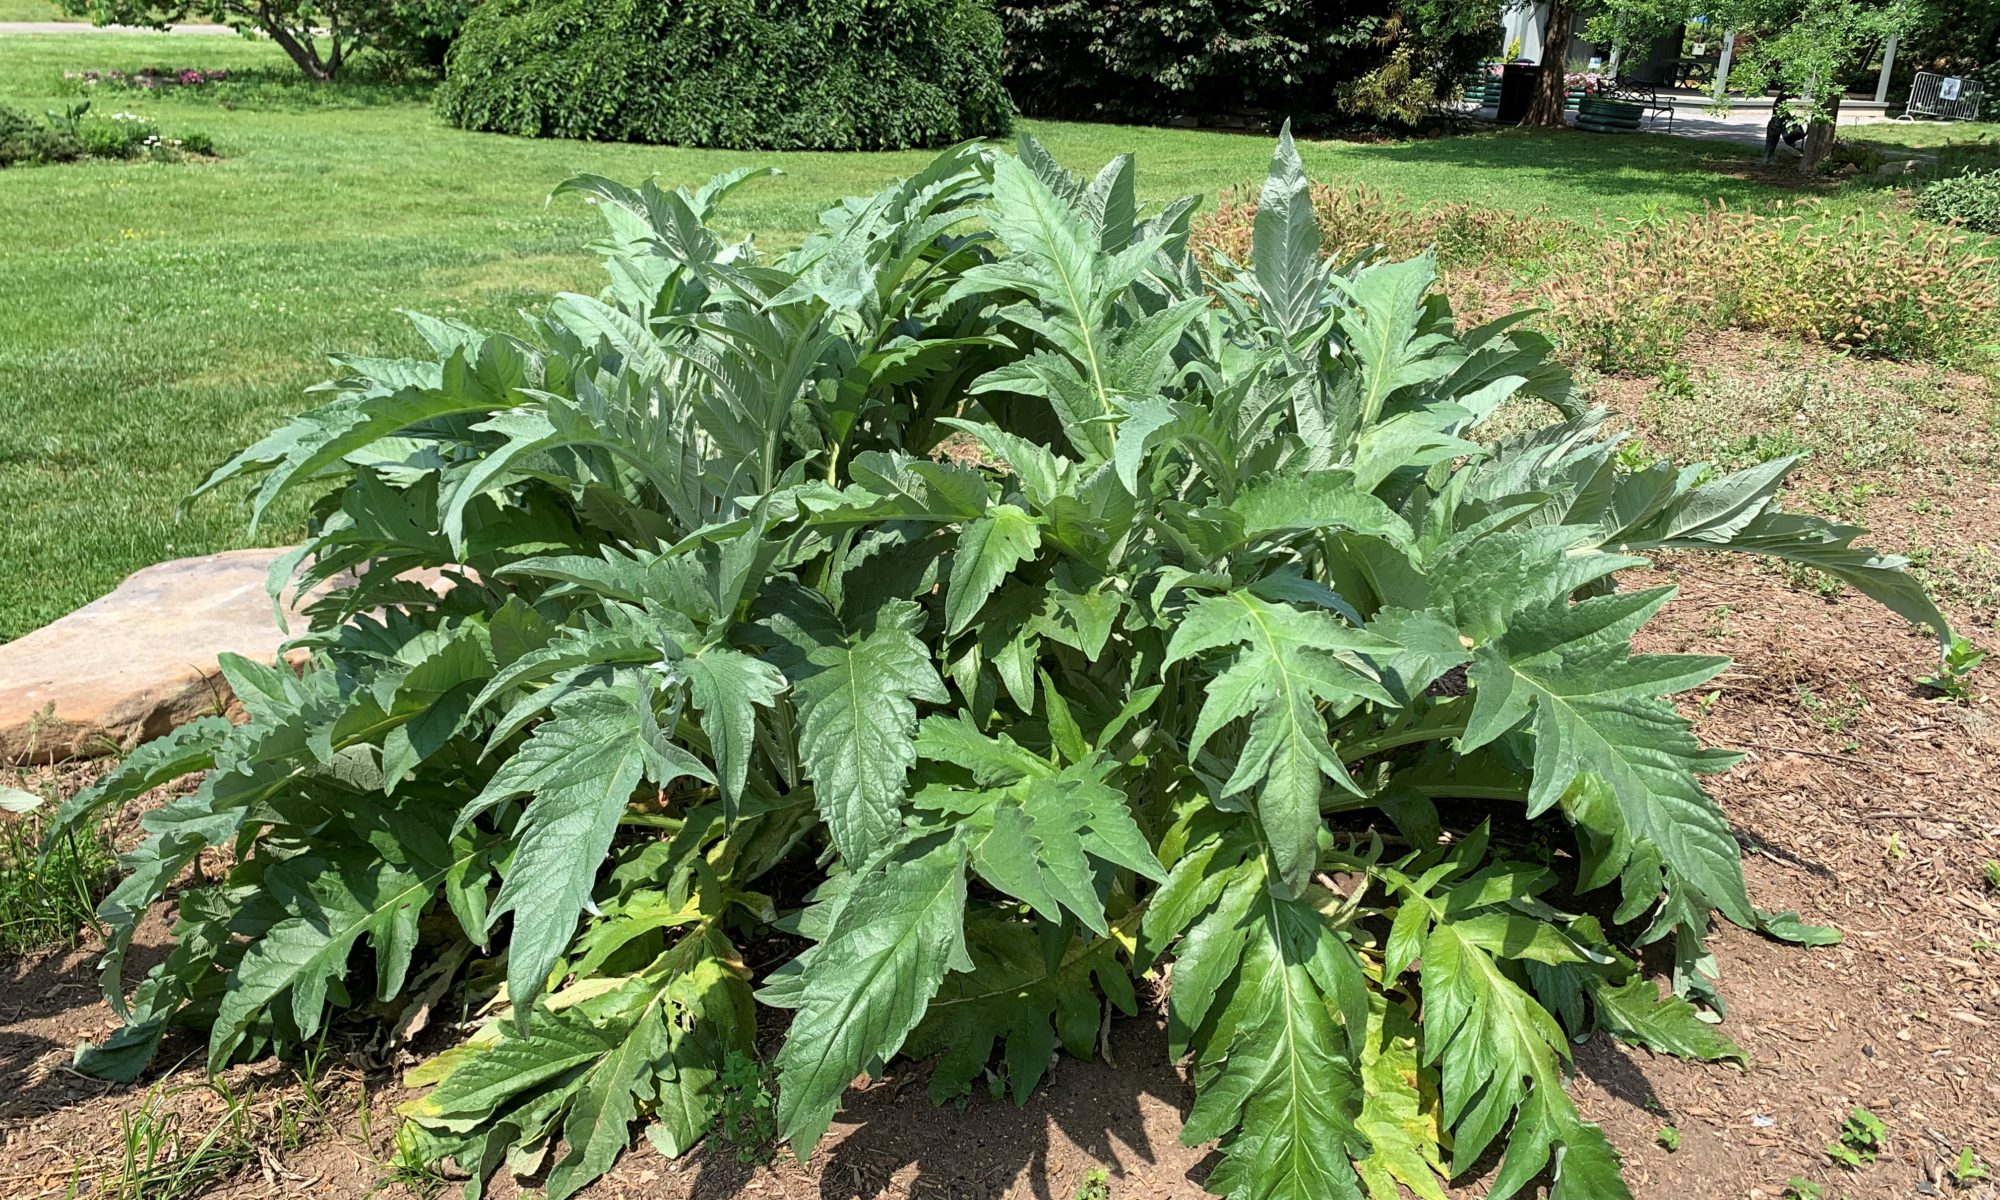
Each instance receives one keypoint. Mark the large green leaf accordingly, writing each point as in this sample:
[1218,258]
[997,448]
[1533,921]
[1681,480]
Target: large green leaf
[1597,710]
[581,768]
[867,983]
[856,687]
[1275,1080]
[1290,662]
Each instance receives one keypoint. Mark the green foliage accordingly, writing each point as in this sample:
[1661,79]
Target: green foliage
[321,37]
[1969,1169]
[745,74]
[1797,1188]
[75,133]
[46,895]
[1096,1185]
[992,602]
[1669,1138]
[28,142]
[749,1117]
[1860,1140]
[1383,60]
[1952,680]
[1971,200]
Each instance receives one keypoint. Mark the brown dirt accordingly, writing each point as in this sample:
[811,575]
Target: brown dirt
[1861,803]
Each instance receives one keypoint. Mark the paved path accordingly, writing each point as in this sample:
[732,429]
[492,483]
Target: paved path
[1742,125]
[7,27]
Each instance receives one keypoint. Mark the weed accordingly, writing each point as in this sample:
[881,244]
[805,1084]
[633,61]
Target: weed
[1804,1189]
[409,1168]
[749,1118]
[47,899]
[1718,623]
[1969,1169]
[1835,717]
[1951,682]
[1993,875]
[1096,1185]
[161,1159]
[1669,1138]
[1860,1139]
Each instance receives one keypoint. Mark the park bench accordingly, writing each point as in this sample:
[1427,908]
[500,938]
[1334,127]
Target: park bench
[1646,95]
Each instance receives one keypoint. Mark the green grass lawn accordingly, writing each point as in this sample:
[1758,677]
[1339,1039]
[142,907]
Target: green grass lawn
[155,317]
[33,10]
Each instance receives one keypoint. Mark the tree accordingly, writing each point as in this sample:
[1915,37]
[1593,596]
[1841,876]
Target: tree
[1804,48]
[1550,95]
[319,35]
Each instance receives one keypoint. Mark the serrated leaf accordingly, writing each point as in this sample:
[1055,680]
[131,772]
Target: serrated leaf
[1637,1012]
[1597,710]
[867,984]
[1290,662]
[856,687]
[581,767]
[1285,242]
[728,687]
[1015,996]
[988,549]
[1275,1082]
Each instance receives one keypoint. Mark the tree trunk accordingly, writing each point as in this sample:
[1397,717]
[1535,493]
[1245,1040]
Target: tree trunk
[297,46]
[1819,138]
[1550,95]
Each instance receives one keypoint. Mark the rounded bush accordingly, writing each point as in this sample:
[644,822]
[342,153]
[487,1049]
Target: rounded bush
[732,74]
[1971,200]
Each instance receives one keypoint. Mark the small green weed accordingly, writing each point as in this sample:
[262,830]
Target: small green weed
[48,900]
[1993,875]
[1804,1189]
[1860,1139]
[1969,1169]
[1669,1138]
[1096,1185]
[749,1116]
[1951,683]
[161,1158]
[1833,716]
[408,1169]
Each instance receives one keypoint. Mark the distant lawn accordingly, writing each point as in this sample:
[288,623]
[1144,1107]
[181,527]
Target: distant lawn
[154,318]
[33,10]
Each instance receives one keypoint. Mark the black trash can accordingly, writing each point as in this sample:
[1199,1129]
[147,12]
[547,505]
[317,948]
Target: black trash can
[1517,91]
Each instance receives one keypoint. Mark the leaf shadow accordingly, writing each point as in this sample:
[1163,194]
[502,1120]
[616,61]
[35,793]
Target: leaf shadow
[889,1139]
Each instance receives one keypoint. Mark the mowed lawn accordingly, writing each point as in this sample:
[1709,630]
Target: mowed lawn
[153,318]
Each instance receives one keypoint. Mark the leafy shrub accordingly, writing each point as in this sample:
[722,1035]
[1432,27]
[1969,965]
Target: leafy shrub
[121,135]
[1202,59]
[28,142]
[1971,200]
[1207,61]
[1629,300]
[984,603]
[74,134]
[804,74]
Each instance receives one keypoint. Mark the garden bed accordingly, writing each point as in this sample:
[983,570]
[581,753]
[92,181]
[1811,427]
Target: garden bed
[1884,840]
[1864,803]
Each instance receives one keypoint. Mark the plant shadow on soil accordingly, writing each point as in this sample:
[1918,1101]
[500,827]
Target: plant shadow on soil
[890,1139]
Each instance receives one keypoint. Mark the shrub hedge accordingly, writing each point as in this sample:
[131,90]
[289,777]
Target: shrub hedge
[733,74]
[1213,60]
[1971,200]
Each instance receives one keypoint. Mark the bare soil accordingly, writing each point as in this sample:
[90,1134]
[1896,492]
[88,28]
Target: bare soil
[1862,802]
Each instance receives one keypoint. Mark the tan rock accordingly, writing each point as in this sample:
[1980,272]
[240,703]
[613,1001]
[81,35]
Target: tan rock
[136,663]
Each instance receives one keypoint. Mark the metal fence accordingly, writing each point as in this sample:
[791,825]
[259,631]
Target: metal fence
[1944,97]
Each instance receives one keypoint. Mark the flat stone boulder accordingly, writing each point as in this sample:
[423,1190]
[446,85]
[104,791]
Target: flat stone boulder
[132,665]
